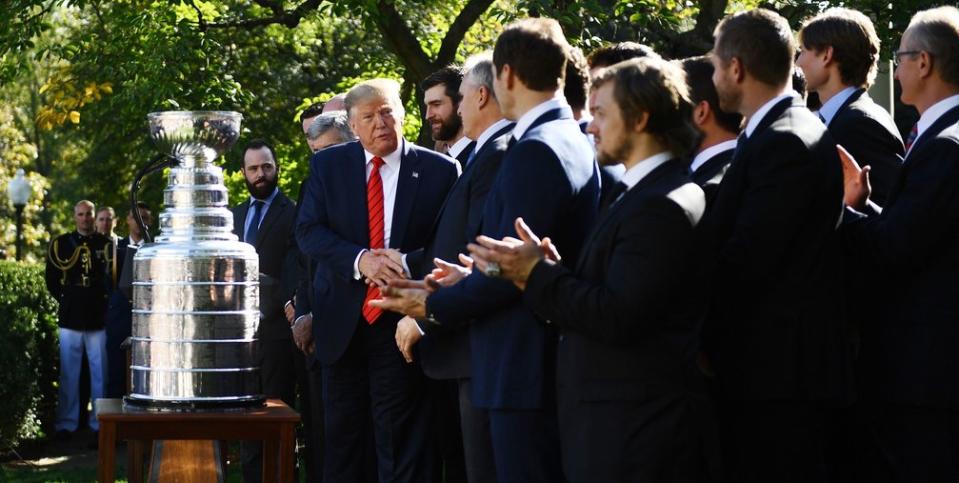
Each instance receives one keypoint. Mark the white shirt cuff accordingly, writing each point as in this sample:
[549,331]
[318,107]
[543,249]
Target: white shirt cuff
[297,321]
[417,324]
[356,265]
[406,268]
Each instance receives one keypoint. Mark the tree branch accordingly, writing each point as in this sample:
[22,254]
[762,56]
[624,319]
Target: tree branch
[401,40]
[289,18]
[454,36]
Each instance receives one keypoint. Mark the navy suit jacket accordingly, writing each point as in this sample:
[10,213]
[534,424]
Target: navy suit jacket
[445,354]
[868,132]
[911,251]
[548,177]
[332,227]
[710,174]
[777,326]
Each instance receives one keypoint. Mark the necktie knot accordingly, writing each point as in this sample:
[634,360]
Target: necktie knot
[913,134]
[377,162]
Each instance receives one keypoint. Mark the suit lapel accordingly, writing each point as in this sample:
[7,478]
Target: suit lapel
[610,214]
[355,178]
[406,186]
[948,118]
[239,219]
[549,116]
[272,214]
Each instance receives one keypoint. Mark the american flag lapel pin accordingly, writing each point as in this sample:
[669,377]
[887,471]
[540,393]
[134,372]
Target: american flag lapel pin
[416,174]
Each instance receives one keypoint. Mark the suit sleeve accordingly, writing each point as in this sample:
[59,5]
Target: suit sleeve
[313,234]
[642,274]
[871,144]
[532,184]
[781,184]
[918,224]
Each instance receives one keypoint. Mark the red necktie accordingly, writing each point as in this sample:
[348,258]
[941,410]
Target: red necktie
[913,134]
[374,207]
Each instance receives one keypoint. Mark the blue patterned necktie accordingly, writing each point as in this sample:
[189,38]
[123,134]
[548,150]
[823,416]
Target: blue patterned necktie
[254,228]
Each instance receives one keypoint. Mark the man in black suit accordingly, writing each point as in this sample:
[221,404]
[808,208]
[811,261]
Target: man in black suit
[630,332]
[442,98]
[776,335]
[361,197]
[839,56]
[444,352]
[717,128]
[265,221]
[549,177]
[908,362]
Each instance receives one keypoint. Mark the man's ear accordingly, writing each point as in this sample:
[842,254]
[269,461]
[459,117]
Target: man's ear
[701,113]
[926,64]
[736,70]
[641,122]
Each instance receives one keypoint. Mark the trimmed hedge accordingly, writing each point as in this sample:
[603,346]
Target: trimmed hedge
[28,353]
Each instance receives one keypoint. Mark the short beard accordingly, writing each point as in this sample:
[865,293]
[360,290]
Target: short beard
[449,128]
[261,193]
[617,156]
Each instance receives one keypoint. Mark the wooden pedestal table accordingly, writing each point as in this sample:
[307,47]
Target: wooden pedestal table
[274,424]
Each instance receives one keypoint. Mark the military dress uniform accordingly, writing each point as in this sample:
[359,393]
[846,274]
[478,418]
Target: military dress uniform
[77,276]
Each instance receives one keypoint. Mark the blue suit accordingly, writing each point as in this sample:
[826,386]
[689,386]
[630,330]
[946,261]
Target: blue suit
[362,368]
[548,177]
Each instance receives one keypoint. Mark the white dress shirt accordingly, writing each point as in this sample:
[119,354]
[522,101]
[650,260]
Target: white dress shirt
[933,114]
[390,174]
[488,133]
[526,120]
[634,175]
[708,153]
[760,113]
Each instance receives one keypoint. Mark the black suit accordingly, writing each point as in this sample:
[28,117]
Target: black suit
[868,132]
[908,360]
[629,336]
[710,174]
[444,353]
[281,370]
[776,333]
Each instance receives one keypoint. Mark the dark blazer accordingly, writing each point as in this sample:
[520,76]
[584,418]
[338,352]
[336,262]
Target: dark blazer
[271,247]
[911,250]
[710,174]
[464,155]
[777,325]
[549,178]
[630,330]
[445,354]
[332,228]
[868,132]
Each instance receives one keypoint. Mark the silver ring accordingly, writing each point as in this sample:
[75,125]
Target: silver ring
[492,270]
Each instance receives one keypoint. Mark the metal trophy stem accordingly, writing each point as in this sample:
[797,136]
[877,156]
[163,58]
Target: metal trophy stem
[195,290]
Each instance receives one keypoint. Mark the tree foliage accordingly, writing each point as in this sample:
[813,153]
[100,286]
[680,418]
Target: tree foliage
[79,76]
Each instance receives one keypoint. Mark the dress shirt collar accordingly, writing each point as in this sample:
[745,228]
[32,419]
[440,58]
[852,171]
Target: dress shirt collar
[458,147]
[489,132]
[634,175]
[527,120]
[708,153]
[831,107]
[393,159]
[934,113]
[760,113]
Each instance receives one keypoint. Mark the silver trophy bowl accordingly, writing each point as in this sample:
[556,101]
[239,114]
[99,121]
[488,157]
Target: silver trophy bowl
[192,136]
[196,289]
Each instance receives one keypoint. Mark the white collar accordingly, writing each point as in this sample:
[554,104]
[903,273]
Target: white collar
[933,114]
[634,175]
[268,200]
[760,113]
[489,132]
[527,120]
[392,159]
[831,107]
[708,153]
[458,147]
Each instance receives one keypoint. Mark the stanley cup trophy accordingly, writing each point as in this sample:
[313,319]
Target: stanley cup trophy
[195,290]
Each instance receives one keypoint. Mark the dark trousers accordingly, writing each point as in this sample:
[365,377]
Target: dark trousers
[477,444]
[525,445]
[119,323]
[372,378]
[282,370]
[450,466]
[311,402]
[781,441]
[909,444]
[654,440]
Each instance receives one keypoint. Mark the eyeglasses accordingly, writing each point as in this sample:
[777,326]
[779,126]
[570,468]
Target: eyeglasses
[897,55]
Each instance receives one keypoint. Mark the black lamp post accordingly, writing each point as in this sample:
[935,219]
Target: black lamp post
[19,192]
